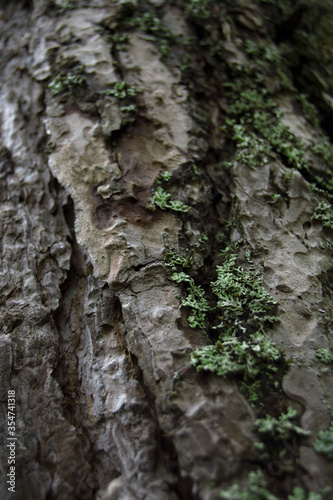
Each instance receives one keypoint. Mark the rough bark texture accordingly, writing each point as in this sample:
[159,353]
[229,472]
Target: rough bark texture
[93,339]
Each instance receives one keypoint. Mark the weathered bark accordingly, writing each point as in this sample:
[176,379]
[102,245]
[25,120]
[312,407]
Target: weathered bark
[93,339]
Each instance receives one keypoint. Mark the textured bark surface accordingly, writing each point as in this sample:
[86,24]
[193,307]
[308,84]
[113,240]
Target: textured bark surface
[93,339]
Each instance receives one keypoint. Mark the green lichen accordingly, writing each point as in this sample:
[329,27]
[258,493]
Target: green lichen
[309,110]
[299,494]
[164,177]
[117,39]
[195,300]
[257,131]
[324,149]
[174,260]
[178,206]
[153,26]
[185,63]
[198,9]
[324,443]
[60,8]
[162,200]
[241,298]
[146,22]
[255,127]
[67,82]
[324,213]
[131,108]
[281,427]
[233,355]
[257,490]
[324,356]
[241,309]
[123,89]
[65,6]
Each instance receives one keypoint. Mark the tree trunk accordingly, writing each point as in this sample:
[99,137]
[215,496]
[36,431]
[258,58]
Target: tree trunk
[138,141]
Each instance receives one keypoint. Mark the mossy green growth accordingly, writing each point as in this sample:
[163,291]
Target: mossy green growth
[60,8]
[198,9]
[152,25]
[118,39]
[324,443]
[309,110]
[324,356]
[241,298]
[67,82]
[146,22]
[281,427]
[174,260]
[324,213]
[252,150]
[324,149]
[121,90]
[162,200]
[65,6]
[242,309]
[299,494]
[234,356]
[131,108]
[164,177]
[255,126]
[257,490]
[195,300]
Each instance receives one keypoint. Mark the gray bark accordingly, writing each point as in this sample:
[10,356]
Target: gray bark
[93,339]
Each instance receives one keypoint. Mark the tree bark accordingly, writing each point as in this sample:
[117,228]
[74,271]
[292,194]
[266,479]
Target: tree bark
[94,340]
